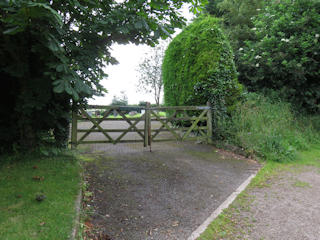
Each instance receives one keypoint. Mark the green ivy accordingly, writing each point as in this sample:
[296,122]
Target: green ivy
[198,67]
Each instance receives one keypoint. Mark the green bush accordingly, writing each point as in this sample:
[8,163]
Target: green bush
[198,67]
[285,55]
[271,130]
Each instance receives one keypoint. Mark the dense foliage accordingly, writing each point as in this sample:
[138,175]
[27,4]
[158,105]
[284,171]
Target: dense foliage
[54,51]
[236,18]
[198,67]
[270,129]
[285,56]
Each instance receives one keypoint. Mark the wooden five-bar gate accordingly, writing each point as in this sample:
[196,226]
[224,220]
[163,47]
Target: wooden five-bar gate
[180,123]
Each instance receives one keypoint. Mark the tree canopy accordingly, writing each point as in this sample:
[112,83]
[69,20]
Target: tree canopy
[55,51]
[285,55]
[236,18]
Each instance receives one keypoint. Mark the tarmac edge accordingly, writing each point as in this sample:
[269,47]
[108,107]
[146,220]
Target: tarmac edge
[195,234]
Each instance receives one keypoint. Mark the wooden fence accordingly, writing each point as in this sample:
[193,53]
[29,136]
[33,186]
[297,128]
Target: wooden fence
[181,122]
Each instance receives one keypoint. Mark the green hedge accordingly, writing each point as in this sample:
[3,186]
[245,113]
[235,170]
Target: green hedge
[198,66]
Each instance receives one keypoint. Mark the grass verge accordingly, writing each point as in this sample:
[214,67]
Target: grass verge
[230,224]
[22,179]
[271,130]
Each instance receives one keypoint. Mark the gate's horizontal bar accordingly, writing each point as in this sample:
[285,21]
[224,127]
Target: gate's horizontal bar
[110,130]
[102,141]
[180,108]
[135,119]
[140,130]
[126,108]
[174,139]
[109,119]
[181,119]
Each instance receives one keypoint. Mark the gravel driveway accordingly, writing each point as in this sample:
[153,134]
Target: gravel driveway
[163,194]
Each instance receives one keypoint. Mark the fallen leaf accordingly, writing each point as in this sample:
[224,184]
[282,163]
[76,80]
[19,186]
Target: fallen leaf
[88,224]
[35,167]
[38,178]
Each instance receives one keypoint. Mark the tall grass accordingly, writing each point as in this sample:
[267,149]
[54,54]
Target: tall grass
[269,129]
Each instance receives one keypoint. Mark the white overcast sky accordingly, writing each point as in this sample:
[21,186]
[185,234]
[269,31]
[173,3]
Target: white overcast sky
[124,76]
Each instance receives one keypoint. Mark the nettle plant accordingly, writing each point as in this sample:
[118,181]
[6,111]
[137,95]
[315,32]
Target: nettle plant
[285,56]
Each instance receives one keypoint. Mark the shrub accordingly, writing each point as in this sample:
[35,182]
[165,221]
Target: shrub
[270,129]
[286,53]
[198,67]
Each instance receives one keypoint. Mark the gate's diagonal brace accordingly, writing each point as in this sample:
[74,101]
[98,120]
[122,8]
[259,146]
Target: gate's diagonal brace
[95,125]
[194,124]
[166,125]
[106,114]
[132,126]
[162,126]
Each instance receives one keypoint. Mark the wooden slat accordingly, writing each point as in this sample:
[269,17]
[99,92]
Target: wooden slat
[74,128]
[180,108]
[194,124]
[109,119]
[209,123]
[113,107]
[93,127]
[202,133]
[111,130]
[140,130]
[132,125]
[162,126]
[181,118]
[134,119]
[146,128]
[166,125]
[104,141]
[173,139]
[96,124]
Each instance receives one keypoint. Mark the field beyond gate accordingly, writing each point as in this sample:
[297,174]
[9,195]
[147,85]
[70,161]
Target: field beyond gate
[117,124]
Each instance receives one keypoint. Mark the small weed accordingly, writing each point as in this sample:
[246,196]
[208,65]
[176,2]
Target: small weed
[301,184]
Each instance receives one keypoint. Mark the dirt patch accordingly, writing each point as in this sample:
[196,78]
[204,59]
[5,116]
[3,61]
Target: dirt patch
[163,194]
[287,209]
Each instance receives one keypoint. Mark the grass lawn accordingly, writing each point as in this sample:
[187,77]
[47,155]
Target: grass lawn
[225,225]
[21,180]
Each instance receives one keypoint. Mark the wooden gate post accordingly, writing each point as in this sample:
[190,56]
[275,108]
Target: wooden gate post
[149,125]
[209,123]
[74,129]
[146,125]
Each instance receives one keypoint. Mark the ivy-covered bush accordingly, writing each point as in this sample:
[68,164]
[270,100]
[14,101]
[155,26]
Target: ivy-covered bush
[198,67]
[285,57]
